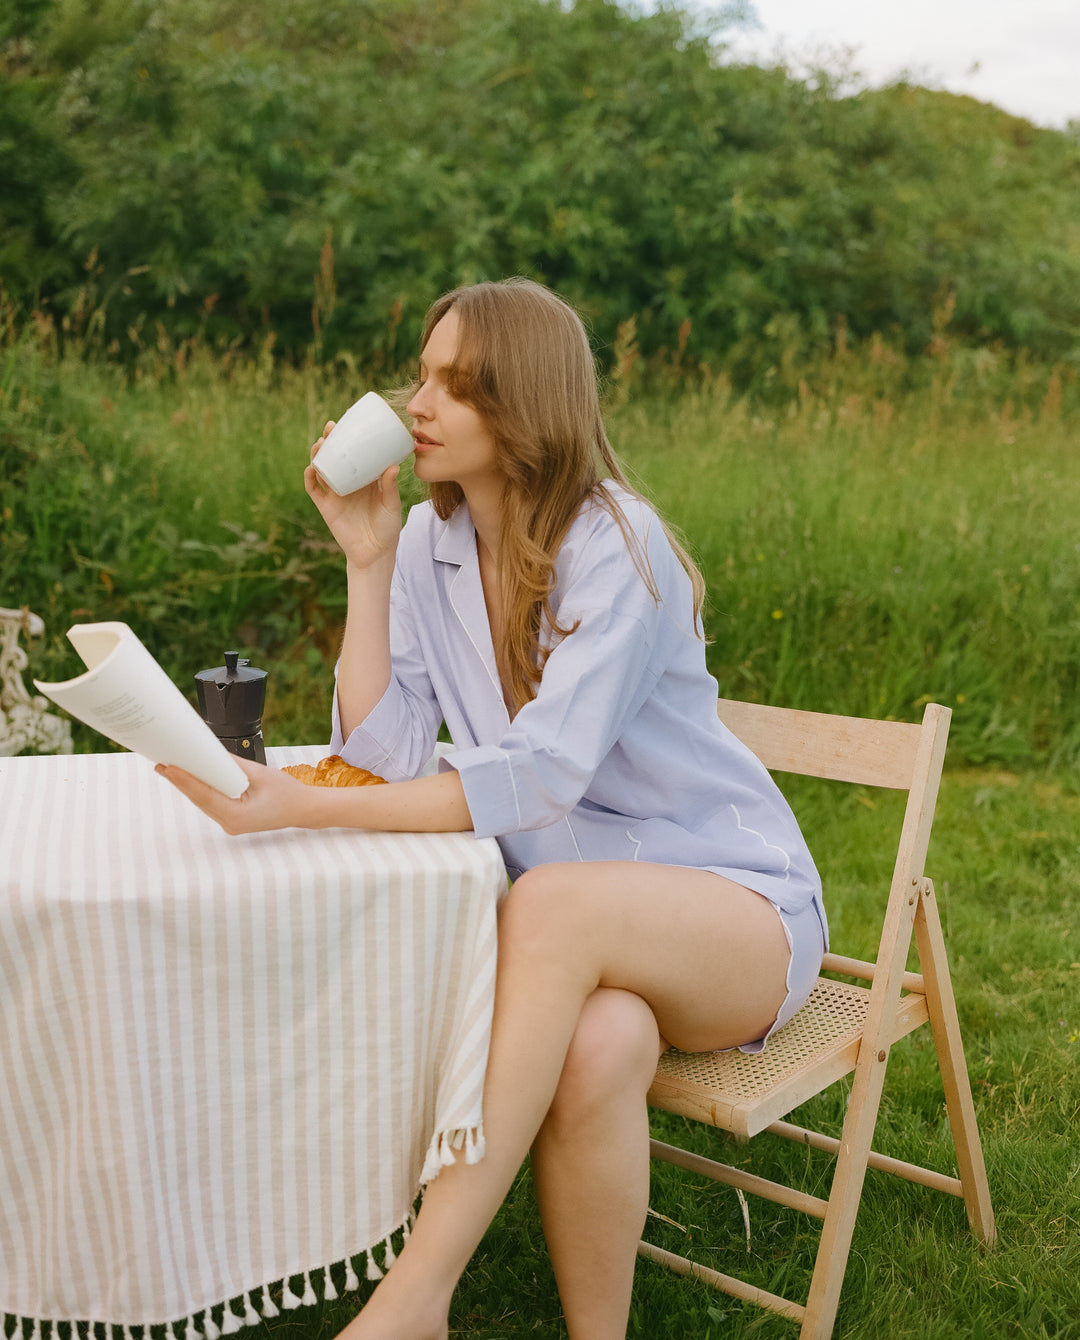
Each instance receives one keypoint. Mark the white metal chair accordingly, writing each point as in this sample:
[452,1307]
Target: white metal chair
[842,1028]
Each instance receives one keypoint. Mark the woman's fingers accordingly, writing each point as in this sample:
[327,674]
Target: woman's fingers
[273,799]
[325,434]
[316,489]
[365,523]
[208,798]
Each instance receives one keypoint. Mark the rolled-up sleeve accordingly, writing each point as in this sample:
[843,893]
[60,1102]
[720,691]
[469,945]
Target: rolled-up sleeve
[398,735]
[596,679]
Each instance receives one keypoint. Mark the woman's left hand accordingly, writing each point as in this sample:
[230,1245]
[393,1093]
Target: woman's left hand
[273,799]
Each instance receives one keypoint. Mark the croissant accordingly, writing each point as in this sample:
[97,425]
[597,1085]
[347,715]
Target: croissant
[333,771]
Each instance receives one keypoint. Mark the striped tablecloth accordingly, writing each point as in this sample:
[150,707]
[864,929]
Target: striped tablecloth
[225,1063]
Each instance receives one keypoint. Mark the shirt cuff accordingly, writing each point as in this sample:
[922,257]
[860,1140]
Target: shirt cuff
[488,782]
[371,744]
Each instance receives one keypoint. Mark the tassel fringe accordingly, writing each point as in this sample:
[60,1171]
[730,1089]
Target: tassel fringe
[231,1323]
[269,1307]
[257,1304]
[446,1145]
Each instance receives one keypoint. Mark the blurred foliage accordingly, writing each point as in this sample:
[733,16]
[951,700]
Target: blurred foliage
[230,168]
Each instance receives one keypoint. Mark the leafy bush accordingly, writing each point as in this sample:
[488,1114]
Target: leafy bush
[324,172]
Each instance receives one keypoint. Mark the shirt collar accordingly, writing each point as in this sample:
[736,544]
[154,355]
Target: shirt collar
[457,543]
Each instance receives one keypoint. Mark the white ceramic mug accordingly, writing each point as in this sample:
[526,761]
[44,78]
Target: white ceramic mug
[367,439]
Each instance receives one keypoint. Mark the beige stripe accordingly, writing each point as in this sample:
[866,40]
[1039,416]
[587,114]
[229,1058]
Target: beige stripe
[178,834]
[264,1186]
[91,1187]
[146,1233]
[22,1143]
[19,1103]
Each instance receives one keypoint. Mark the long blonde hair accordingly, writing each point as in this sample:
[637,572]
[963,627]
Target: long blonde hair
[523,362]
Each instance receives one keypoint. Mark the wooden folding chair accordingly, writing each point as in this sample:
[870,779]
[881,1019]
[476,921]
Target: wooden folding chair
[842,1027]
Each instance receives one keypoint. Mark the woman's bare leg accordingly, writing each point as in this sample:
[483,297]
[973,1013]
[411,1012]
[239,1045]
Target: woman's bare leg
[590,1162]
[708,957]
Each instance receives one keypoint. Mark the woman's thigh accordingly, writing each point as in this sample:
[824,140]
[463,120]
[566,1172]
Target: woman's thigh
[708,956]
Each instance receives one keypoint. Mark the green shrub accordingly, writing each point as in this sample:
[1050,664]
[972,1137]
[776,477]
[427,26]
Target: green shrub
[230,169]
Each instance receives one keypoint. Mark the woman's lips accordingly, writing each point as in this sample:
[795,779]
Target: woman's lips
[420,442]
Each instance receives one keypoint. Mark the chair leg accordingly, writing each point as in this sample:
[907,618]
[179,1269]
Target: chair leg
[857,1136]
[848,1176]
[959,1104]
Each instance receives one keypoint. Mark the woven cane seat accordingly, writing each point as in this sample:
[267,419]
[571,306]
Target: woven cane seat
[744,1093]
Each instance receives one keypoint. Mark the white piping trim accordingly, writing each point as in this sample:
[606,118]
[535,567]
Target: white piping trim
[573,837]
[771,846]
[483,659]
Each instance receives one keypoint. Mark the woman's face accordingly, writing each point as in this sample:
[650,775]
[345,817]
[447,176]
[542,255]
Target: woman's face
[453,443]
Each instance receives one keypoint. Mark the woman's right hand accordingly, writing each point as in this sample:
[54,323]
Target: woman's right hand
[272,800]
[366,524]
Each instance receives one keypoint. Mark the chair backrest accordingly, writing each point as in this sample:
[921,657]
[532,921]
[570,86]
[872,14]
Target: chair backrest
[897,755]
[816,744]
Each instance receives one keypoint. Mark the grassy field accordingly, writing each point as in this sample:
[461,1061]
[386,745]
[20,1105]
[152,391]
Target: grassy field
[872,537]
[1006,862]
[874,534]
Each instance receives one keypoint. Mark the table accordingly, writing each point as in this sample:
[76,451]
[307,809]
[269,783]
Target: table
[226,1064]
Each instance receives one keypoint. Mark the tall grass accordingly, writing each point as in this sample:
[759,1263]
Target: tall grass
[874,531]
[866,555]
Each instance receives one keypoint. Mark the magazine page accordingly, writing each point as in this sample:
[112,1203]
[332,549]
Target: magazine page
[127,696]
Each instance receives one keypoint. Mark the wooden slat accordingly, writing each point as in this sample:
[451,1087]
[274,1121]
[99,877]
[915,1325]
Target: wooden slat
[858,967]
[912,1172]
[739,1177]
[725,1283]
[945,1025]
[866,1086]
[817,744]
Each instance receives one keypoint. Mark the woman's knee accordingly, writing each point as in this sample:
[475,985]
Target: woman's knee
[540,906]
[612,1056]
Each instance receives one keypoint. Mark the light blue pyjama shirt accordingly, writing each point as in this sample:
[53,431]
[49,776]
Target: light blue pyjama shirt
[621,755]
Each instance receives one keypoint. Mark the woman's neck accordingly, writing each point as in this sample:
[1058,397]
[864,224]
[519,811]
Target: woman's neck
[485,508]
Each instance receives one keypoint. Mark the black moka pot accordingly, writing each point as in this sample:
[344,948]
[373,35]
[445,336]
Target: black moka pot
[231,698]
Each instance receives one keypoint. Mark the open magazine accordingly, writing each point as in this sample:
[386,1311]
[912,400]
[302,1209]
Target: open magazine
[127,696]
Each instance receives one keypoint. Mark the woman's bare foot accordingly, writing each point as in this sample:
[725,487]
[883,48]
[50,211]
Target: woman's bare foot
[398,1314]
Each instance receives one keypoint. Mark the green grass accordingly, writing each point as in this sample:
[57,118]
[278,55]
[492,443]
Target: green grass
[865,556]
[1006,862]
[869,543]
[870,540]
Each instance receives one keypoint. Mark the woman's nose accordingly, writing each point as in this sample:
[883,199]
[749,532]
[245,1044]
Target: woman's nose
[415,407]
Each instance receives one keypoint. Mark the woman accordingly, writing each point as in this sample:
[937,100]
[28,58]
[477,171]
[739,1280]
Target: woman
[663,893]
